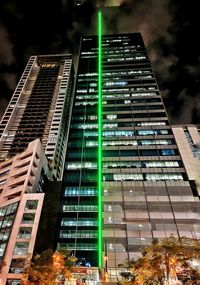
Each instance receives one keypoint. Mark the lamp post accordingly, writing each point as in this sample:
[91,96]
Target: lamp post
[106,276]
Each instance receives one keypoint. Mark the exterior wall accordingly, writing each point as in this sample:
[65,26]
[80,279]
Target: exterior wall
[33,140]
[146,193]
[21,201]
[39,108]
[188,141]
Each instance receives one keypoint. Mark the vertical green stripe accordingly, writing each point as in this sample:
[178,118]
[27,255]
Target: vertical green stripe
[99,139]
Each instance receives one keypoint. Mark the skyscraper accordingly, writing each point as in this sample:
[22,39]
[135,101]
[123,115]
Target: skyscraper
[39,108]
[124,182]
[35,124]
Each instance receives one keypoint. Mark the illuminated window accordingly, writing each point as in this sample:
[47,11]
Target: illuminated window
[110,126]
[79,165]
[80,222]
[91,143]
[127,177]
[80,191]
[81,90]
[111,117]
[167,151]
[118,133]
[157,177]
[114,83]
[118,142]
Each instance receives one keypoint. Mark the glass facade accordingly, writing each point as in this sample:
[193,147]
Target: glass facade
[145,191]
[7,216]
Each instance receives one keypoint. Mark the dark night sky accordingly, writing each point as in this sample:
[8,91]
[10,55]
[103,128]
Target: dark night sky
[170,30]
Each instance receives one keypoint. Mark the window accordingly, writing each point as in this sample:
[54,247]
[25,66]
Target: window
[80,208]
[31,204]
[157,177]
[24,232]
[111,117]
[167,152]
[21,248]
[81,222]
[79,165]
[121,177]
[80,191]
[28,218]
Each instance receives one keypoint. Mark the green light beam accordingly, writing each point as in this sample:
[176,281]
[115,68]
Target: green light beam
[100,139]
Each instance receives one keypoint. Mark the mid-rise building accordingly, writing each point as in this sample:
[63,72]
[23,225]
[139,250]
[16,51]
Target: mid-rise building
[124,181]
[22,180]
[39,108]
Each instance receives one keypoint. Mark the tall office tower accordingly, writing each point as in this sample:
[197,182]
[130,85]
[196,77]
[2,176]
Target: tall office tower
[39,108]
[22,180]
[119,122]
[188,141]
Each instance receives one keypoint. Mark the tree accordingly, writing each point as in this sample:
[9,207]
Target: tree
[161,261]
[48,267]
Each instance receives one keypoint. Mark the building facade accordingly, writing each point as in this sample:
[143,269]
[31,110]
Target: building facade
[145,192]
[188,141]
[33,139]
[124,181]
[22,179]
[39,108]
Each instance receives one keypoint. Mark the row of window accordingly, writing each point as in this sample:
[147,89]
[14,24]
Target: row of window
[118,95]
[116,73]
[109,126]
[123,133]
[90,222]
[141,152]
[73,177]
[80,208]
[78,234]
[124,143]
[123,164]
[80,191]
[7,210]
[143,177]
[138,142]
[105,91]
[121,105]
[81,246]
[136,101]
[92,153]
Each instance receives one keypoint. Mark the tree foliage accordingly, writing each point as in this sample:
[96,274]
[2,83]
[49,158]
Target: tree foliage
[48,267]
[162,261]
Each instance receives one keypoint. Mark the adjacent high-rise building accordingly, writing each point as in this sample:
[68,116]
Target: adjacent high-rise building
[39,108]
[124,181]
[188,141]
[33,139]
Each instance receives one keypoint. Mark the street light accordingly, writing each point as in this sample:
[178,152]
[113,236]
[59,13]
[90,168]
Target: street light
[106,276]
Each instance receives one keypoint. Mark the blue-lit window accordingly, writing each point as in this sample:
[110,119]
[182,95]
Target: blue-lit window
[80,191]
[167,152]
[146,132]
